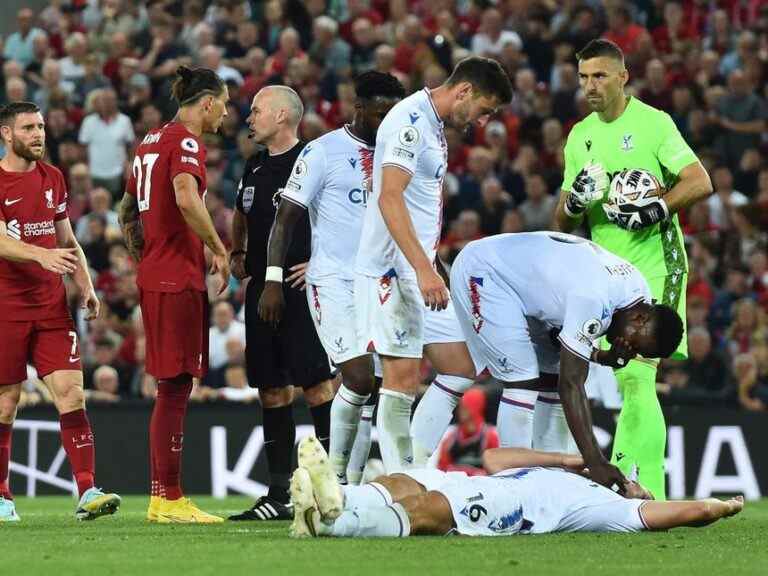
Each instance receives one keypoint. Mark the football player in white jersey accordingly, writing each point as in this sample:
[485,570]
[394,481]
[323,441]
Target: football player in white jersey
[532,306]
[395,272]
[332,179]
[527,492]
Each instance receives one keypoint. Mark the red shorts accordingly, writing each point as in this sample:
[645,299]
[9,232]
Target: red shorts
[49,345]
[176,329]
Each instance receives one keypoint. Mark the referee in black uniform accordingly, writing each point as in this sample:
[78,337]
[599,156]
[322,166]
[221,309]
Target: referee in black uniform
[288,354]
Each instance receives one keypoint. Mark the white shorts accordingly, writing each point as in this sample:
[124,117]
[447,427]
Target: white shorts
[538,501]
[332,307]
[390,315]
[500,338]
[442,326]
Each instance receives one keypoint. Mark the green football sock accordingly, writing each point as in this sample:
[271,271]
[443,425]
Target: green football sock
[641,433]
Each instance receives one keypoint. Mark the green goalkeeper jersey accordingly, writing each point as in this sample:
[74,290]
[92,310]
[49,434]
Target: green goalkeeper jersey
[642,137]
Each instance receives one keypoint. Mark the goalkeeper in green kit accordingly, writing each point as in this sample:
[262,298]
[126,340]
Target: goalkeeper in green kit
[624,133]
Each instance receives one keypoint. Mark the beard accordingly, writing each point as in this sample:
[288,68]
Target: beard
[23,151]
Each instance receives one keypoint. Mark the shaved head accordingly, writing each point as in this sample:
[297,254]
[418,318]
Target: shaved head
[285,98]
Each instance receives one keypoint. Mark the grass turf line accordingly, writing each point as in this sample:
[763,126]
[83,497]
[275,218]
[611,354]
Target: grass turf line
[50,541]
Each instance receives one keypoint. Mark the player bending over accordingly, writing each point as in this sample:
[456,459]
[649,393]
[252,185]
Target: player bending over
[529,492]
[533,305]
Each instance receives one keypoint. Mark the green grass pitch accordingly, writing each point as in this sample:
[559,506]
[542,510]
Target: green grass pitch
[49,541]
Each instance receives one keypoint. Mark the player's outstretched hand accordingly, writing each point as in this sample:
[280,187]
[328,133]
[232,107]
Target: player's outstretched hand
[433,289]
[297,278]
[237,263]
[91,303]
[609,476]
[271,303]
[220,267]
[59,260]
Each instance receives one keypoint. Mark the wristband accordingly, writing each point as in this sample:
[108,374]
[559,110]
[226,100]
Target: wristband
[274,274]
[568,211]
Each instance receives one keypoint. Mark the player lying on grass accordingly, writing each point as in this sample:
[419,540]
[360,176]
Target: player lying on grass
[529,492]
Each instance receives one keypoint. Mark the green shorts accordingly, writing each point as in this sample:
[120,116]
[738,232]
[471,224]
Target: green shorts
[670,290]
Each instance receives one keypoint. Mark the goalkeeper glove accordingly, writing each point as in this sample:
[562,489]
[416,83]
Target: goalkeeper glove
[634,218]
[588,187]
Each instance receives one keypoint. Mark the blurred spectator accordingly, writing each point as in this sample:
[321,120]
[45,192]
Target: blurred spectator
[363,46]
[106,385]
[16,90]
[73,64]
[741,116]
[748,328]
[224,328]
[735,288]
[538,209]
[236,387]
[724,199]
[736,59]
[210,57]
[479,167]
[673,36]
[107,133]
[327,45]
[753,386]
[494,203]
[656,92]
[464,229]
[462,448]
[491,36]
[236,52]
[100,202]
[632,38]
[52,84]
[703,377]
[80,186]
[18,46]
[289,47]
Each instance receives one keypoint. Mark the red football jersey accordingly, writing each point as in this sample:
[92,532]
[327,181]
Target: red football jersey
[30,202]
[173,258]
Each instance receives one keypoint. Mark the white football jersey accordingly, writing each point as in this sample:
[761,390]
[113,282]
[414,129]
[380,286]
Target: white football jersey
[331,178]
[410,137]
[567,282]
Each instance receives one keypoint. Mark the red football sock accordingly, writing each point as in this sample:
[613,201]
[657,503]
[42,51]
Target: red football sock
[77,439]
[166,433]
[5,460]
[156,486]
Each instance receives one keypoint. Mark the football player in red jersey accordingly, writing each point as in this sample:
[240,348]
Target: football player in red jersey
[167,226]
[37,246]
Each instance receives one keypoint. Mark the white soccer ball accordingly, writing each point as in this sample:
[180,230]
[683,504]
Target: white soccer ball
[633,189]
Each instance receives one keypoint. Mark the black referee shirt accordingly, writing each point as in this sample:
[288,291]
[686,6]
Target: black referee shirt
[257,197]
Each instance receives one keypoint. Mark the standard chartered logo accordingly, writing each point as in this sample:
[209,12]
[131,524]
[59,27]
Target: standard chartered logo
[43,228]
[30,229]
[13,229]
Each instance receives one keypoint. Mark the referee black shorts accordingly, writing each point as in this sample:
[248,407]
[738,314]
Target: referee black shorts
[290,354]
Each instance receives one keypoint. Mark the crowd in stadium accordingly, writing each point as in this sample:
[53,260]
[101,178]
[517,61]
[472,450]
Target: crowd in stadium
[100,71]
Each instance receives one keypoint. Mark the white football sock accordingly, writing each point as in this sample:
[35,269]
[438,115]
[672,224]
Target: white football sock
[514,421]
[385,521]
[345,416]
[550,428]
[393,423]
[368,495]
[433,415]
[362,446]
